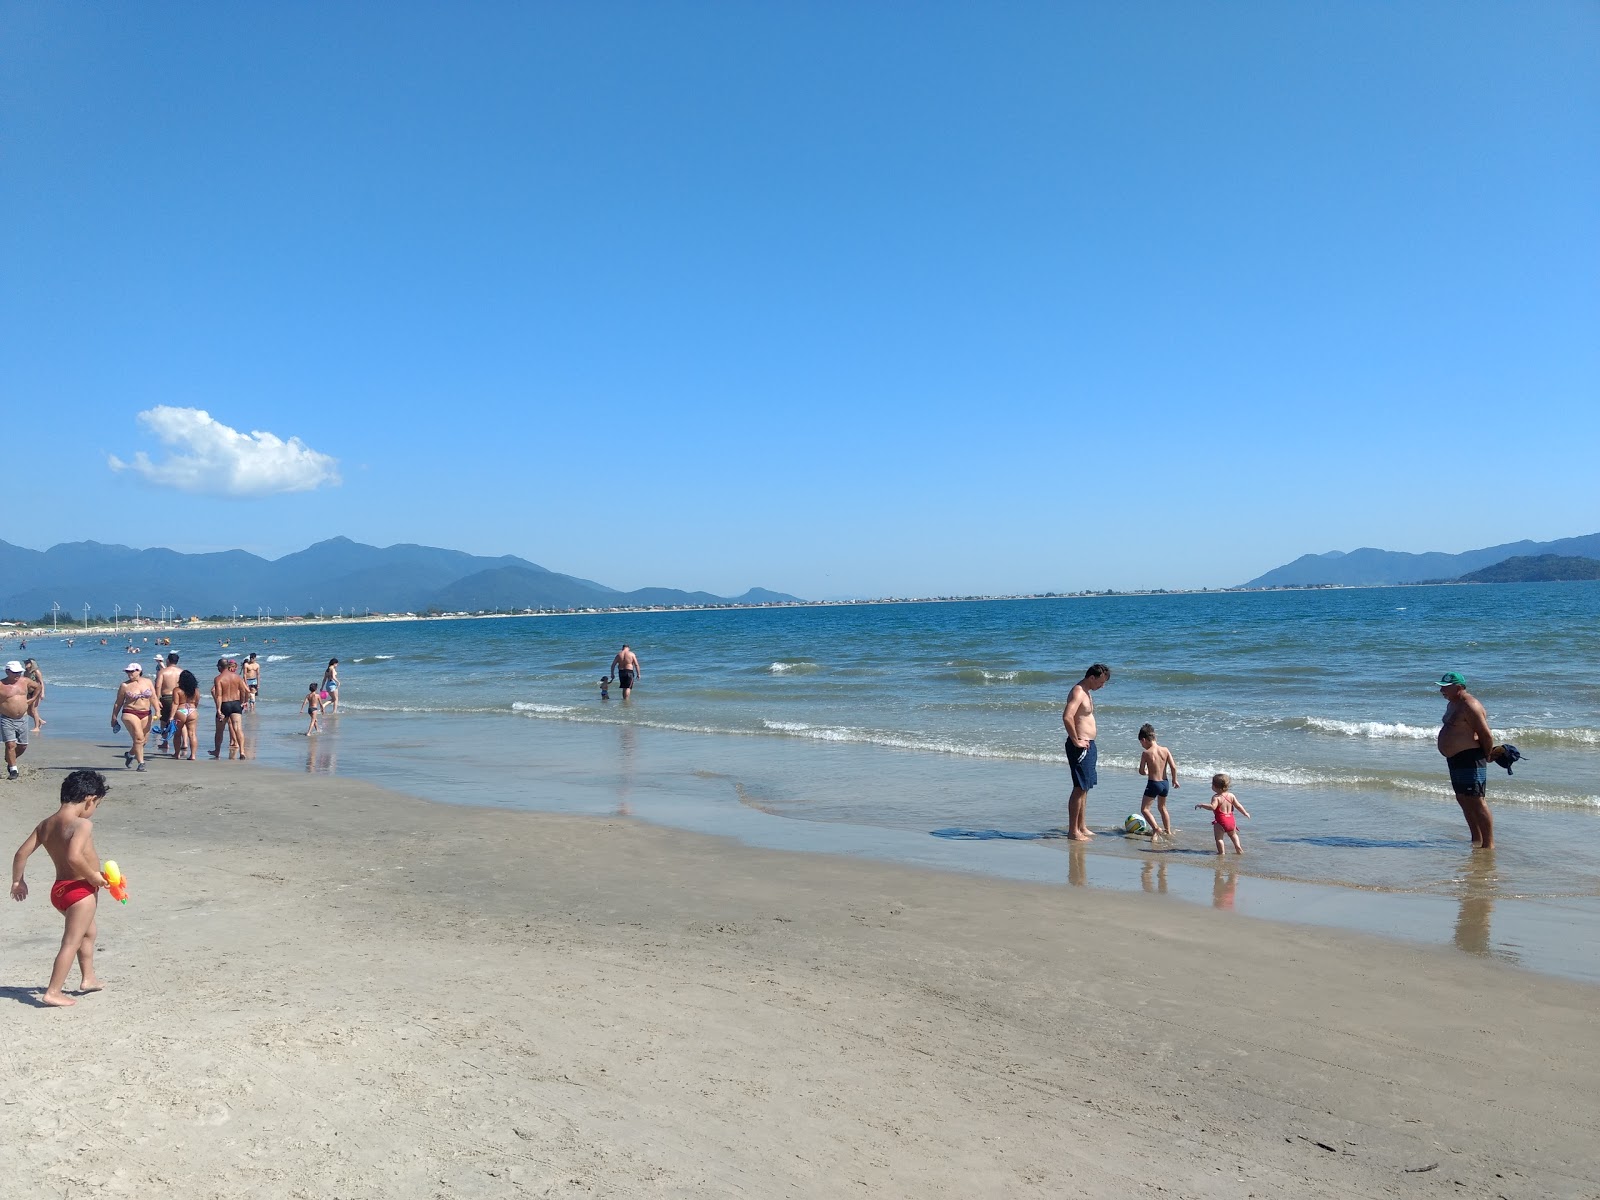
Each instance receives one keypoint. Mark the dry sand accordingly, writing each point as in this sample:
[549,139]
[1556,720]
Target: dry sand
[322,989]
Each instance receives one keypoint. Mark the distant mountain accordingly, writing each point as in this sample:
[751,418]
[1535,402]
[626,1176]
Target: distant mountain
[1537,568]
[1368,566]
[330,576]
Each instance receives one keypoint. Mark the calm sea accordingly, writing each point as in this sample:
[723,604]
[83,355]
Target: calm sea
[886,729]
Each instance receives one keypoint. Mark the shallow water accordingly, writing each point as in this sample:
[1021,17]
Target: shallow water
[864,729]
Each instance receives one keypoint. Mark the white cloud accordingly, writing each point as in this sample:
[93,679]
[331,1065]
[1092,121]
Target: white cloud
[215,460]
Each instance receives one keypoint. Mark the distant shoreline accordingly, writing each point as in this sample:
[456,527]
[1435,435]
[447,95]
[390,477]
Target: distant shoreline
[17,629]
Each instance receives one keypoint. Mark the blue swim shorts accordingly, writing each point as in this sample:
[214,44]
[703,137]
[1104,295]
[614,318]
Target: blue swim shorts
[1469,772]
[1155,789]
[1082,763]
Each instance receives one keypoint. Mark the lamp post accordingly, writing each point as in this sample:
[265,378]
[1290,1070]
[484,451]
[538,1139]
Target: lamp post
[138,612]
[116,611]
[86,616]
[55,607]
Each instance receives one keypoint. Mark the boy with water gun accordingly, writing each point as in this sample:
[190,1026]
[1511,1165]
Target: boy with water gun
[68,837]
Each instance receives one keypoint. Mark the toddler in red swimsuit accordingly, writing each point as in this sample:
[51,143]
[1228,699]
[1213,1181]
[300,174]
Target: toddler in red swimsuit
[1223,805]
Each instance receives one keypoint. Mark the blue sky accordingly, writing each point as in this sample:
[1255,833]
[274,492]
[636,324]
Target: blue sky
[838,299]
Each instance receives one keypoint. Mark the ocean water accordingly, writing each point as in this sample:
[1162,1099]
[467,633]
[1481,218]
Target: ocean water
[873,728]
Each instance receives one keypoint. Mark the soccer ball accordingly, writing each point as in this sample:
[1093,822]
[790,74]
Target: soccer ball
[1136,824]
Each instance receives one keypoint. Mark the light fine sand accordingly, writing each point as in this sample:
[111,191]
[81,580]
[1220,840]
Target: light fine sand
[321,989]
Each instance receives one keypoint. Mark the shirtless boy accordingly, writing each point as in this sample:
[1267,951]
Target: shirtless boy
[1156,764]
[252,677]
[17,692]
[1082,754]
[1465,742]
[68,837]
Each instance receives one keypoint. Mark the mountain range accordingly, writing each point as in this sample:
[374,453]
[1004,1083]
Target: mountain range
[1367,566]
[329,576]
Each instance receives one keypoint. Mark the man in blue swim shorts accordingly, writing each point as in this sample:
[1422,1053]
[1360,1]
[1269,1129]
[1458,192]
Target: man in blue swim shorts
[1082,753]
[1466,742]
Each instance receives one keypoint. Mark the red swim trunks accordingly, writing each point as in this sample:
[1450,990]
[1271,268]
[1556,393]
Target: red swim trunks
[68,892]
[1225,822]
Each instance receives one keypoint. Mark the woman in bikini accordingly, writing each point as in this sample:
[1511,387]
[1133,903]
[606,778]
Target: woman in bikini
[136,703]
[185,714]
[330,686]
[31,670]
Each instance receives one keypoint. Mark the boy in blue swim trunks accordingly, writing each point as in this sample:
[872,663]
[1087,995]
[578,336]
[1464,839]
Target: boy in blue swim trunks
[1156,764]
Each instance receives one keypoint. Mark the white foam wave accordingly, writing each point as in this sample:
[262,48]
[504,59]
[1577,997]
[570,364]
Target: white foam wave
[279,657]
[784,668]
[528,706]
[1371,729]
[1551,737]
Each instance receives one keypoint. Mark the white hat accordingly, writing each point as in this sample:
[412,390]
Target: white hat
[134,667]
[14,667]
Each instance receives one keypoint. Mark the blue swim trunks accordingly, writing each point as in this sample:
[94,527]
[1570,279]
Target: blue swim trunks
[1155,789]
[1082,763]
[1469,772]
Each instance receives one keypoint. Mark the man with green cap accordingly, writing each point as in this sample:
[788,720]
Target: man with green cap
[1465,742]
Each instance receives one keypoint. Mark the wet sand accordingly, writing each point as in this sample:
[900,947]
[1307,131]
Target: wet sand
[323,988]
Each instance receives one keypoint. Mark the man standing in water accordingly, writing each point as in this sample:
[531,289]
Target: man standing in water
[1465,742]
[166,682]
[1082,754]
[625,666]
[230,694]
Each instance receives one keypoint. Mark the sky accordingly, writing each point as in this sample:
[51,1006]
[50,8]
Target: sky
[838,299]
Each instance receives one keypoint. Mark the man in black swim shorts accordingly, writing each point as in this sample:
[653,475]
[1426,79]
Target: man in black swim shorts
[1082,753]
[1465,741]
[625,666]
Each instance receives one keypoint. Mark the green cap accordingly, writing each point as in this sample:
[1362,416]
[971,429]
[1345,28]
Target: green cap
[1451,679]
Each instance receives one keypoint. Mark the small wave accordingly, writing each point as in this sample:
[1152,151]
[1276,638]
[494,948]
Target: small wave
[527,706]
[795,667]
[898,741]
[1550,737]
[985,675]
[1366,729]
[373,658]
[279,657]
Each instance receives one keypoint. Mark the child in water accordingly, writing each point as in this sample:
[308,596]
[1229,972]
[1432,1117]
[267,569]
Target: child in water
[313,704]
[68,837]
[1223,805]
[1156,764]
[605,688]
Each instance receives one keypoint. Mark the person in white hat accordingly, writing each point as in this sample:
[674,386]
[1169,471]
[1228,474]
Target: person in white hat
[17,693]
[136,704]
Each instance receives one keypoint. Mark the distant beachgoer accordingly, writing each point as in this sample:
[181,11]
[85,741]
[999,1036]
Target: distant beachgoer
[16,695]
[229,694]
[135,703]
[1466,743]
[185,714]
[67,836]
[252,676]
[31,670]
[1156,764]
[166,681]
[330,685]
[1082,754]
[1223,805]
[625,666]
[313,704]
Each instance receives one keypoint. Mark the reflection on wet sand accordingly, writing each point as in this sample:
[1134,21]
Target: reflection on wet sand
[1224,886]
[627,751]
[1077,865]
[1153,877]
[1478,887]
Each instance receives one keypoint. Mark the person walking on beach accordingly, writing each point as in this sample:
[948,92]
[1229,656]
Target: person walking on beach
[1466,743]
[330,685]
[31,670]
[16,695]
[185,714]
[1082,754]
[229,694]
[67,836]
[166,684]
[252,676]
[313,704]
[625,667]
[1156,764]
[135,704]
[1223,805]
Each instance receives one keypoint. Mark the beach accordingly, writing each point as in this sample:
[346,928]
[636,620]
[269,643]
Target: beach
[321,988]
